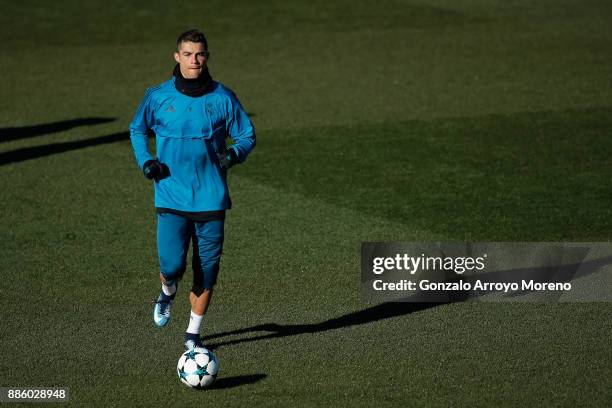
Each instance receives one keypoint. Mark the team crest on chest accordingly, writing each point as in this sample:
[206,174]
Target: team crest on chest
[209,109]
[213,113]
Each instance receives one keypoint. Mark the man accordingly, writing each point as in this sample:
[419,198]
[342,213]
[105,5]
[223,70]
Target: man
[191,116]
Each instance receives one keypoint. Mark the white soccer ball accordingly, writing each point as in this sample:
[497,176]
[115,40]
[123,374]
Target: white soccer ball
[197,368]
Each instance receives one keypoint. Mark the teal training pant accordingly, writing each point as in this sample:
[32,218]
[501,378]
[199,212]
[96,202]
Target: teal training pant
[174,233]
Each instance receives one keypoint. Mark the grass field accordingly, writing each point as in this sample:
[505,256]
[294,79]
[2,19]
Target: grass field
[389,120]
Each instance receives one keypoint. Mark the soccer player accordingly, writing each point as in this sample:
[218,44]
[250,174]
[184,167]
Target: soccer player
[192,116]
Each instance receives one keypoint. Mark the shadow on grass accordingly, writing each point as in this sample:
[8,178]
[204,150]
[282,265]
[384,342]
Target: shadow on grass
[419,301]
[519,176]
[371,314]
[28,153]
[24,132]
[236,381]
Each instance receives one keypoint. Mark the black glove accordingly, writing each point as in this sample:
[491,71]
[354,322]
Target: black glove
[153,169]
[227,158]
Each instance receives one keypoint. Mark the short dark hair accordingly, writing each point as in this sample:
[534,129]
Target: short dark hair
[193,35]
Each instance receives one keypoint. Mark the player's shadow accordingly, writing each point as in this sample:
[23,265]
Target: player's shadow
[371,314]
[15,133]
[236,381]
[561,273]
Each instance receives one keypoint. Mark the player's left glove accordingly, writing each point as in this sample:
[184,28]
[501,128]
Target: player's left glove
[227,158]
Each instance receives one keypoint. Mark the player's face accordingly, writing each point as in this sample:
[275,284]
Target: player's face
[191,58]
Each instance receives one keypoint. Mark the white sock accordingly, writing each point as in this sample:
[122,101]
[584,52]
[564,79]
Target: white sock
[169,290]
[195,320]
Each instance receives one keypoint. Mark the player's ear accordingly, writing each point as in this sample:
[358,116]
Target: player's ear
[176,57]
[207,54]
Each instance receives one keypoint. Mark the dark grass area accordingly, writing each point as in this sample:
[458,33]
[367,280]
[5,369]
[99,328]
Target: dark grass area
[515,177]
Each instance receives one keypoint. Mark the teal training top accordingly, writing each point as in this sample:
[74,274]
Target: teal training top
[189,132]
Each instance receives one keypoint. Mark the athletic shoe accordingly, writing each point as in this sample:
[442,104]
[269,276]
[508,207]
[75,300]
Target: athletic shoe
[161,312]
[192,341]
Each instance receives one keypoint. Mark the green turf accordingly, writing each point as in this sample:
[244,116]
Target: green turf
[393,120]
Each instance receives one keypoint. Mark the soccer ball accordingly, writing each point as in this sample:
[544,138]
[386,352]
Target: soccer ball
[197,368]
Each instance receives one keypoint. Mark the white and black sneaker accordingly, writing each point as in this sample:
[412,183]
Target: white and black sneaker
[161,312]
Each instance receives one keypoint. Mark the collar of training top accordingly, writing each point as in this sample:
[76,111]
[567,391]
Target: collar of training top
[192,87]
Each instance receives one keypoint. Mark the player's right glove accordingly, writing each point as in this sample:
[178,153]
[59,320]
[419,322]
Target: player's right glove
[153,169]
